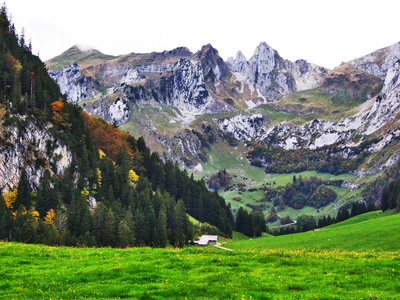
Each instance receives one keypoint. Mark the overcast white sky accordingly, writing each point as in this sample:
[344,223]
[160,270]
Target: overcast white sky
[323,32]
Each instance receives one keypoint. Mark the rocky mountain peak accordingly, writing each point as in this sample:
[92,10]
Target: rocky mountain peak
[240,57]
[207,50]
[263,60]
[239,63]
[213,65]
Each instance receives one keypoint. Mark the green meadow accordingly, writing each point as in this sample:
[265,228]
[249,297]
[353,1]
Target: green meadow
[372,231]
[363,263]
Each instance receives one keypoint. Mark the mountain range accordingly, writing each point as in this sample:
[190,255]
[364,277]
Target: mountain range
[190,106]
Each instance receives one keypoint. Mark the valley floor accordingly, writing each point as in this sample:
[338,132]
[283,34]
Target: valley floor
[42,272]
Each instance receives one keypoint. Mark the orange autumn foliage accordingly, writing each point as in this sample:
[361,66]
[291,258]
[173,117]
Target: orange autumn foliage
[50,217]
[110,139]
[10,197]
[57,107]
[60,117]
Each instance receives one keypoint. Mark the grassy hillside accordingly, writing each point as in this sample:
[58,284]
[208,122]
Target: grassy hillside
[41,272]
[352,235]
[74,54]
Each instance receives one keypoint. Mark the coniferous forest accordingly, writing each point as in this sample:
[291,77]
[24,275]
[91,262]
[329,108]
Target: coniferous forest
[114,193]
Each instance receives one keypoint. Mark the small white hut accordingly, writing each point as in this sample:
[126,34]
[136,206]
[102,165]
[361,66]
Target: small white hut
[206,240]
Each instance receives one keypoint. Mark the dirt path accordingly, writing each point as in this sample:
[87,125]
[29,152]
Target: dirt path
[294,223]
[219,246]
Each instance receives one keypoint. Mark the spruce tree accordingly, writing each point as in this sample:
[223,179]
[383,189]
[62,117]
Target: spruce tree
[99,216]
[385,198]
[240,220]
[125,235]
[78,216]
[110,229]
[5,218]
[47,195]
[140,228]
[162,227]
[24,197]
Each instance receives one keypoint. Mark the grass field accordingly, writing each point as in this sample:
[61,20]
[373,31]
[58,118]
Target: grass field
[351,261]
[362,233]
[40,272]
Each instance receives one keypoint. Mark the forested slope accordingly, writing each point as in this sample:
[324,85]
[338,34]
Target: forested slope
[109,191]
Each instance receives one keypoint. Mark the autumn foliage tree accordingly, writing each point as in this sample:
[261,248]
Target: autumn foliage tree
[219,180]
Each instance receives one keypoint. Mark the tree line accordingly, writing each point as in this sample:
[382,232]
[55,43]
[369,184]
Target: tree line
[306,222]
[326,159]
[311,191]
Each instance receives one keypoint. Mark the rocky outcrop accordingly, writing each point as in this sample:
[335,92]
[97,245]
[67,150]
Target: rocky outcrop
[34,149]
[74,84]
[204,83]
[275,77]
[184,146]
[379,62]
[184,87]
[239,64]
[244,127]
[387,105]
[155,68]
[118,112]
[213,65]
[132,75]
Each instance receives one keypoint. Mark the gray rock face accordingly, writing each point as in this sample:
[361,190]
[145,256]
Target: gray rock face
[26,148]
[133,75]
[182,146]
[155,68]
[74,84]
[275,77]
[386,106]
[184,87]
[244,127]
[118,112]
[378,62]
[239,64]
[214,67]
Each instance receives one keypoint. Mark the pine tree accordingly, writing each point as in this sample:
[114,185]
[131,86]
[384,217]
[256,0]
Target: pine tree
[162,227]
[125,235]
[183,223]
[99,216]
[140,228]
[5,219]
[129,196]
[110,198]
[47,196]
[385,198]
[110,229]
[79,218]
[240,220]
[24,197]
